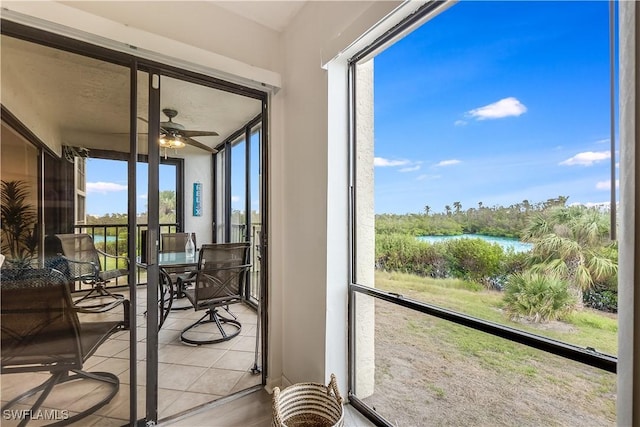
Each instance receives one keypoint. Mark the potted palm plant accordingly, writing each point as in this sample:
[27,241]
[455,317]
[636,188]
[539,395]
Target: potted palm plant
[18,223]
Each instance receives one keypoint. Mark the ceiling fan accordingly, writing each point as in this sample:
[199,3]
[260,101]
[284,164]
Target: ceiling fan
[173,135]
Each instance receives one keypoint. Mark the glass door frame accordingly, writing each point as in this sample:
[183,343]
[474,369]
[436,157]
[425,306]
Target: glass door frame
[136,65]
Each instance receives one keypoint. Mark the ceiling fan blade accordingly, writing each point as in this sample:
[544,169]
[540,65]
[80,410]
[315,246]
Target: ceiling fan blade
[143,119]
[198,144]
[190,133]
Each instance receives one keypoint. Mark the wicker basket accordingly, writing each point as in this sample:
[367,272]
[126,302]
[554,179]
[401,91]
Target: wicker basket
[308,404]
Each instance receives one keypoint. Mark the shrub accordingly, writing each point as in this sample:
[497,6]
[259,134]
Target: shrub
[474,259]
[601,299]
[539,297]
[511,263]
[399,252]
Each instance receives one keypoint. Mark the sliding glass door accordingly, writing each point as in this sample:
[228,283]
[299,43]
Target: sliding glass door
[100,144]
[58,108]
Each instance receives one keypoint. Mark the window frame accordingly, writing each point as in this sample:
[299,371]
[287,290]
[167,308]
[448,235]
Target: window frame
[572,352]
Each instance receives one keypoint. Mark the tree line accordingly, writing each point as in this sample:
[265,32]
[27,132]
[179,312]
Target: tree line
[573,261]
[499,221]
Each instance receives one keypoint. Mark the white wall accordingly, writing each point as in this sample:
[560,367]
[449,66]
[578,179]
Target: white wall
[27,109]
[365,231]
[313,193]
[198,168]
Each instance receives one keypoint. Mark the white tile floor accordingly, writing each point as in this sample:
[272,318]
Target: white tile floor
[188,376]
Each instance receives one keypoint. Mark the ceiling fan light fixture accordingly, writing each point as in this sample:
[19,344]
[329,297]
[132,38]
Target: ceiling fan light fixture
[171,141]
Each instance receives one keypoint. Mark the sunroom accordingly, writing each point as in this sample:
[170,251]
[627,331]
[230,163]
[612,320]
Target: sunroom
[89,92]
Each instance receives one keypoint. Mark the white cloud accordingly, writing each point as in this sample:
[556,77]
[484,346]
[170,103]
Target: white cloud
[507,107]
[449,162]
[605,185]
[382,162]
[410,169]
[235,199]
[460,123]
[104,187]
[143,196]
[587,158]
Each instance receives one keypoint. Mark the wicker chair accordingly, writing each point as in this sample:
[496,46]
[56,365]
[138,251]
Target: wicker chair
[80,261]
[41,332]
[222,271]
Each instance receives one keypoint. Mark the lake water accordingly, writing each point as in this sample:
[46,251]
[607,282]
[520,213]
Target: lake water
[505,242]
[98,238]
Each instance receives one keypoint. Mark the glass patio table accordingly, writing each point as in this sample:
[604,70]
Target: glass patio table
[171,262]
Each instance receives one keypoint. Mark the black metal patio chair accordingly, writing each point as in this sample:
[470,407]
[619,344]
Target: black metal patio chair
[81,261]
[218,283]
[175,242]
[41,332]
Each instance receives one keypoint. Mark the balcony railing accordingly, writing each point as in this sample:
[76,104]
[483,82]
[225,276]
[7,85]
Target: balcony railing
[239,234]
[112,239]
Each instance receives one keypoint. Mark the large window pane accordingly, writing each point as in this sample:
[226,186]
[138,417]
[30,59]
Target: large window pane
[435,372]
[73,105]
[481,166]
[482,192]
[238,191]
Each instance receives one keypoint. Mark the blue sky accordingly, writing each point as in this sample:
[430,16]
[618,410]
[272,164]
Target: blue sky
[107,185]
[495,102]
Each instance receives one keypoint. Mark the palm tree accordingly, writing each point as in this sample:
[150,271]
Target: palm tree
[457,206]
[427,209]
[19,224]
[448,209]
[569,242]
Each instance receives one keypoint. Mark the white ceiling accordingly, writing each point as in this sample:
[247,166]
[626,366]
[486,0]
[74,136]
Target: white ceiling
[86,101]
[272,14]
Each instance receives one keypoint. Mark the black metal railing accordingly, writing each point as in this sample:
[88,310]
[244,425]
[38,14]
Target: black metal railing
[112,239]
[239,234]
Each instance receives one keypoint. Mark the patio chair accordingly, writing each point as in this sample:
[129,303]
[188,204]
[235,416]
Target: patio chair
[41,332]
[175,242]
[81,262]
[222,271]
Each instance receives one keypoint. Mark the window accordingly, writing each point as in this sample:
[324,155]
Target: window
[481,141]
[20,182]
[80,188]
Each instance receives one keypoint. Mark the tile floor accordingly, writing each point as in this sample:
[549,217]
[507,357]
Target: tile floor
[251,410]
[188,376]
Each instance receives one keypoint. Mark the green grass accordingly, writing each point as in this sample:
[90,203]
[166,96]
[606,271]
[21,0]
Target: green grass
[504,363]
[586,328]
